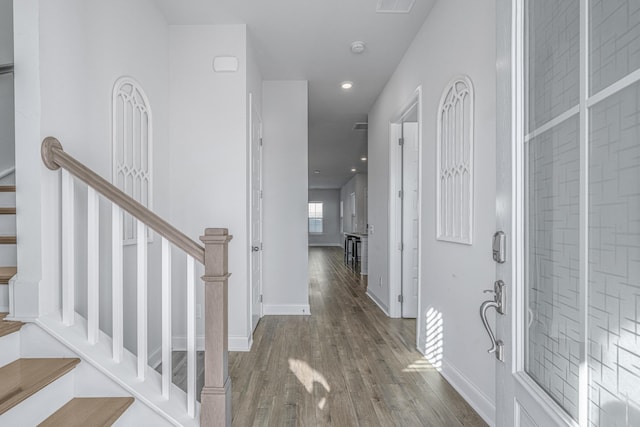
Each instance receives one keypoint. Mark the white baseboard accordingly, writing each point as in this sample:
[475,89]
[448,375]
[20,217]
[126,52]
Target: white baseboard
[286,310]
[379,303]
[479,401]
[331,245]
[236,343]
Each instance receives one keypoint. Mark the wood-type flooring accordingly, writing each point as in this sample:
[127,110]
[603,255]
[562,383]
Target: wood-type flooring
[347,364]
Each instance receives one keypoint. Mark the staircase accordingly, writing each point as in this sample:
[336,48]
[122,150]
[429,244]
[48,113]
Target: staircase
[44,391]
[7,241]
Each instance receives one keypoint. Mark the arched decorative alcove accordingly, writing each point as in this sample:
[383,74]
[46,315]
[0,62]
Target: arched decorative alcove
[132,142]
[455,162]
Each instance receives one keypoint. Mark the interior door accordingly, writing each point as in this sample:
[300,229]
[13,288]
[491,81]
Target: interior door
[410,231]
[569,201]
[256,217]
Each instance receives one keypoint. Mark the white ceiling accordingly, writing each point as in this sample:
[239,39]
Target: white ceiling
[311,40]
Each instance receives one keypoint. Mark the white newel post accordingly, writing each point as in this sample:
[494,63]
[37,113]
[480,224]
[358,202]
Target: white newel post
[216,393]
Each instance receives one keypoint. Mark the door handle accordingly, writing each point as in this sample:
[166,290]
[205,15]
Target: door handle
[255,248]
[499,304]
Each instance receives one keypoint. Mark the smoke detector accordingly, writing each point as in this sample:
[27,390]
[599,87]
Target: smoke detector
[357,47]
[394,6]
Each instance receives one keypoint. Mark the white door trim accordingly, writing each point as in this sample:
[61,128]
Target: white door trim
[395,236]
[250,239]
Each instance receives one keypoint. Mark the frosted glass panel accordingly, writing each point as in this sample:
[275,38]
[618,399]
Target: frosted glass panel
[553,55]
[614,41]
[552,263]
[614,261]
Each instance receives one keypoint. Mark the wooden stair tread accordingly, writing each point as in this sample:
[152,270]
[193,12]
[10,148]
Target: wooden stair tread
[24,377]
[7,211]
[8,326]
[8,240]
[7,188]
[6,273]
[93,411]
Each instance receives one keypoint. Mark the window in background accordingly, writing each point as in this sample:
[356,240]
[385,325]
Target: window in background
[315,217]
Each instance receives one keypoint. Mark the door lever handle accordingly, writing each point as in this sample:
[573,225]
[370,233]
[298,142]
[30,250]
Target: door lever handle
[255,248]
[498,303]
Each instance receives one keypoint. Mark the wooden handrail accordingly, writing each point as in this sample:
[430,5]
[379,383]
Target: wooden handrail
[54,157]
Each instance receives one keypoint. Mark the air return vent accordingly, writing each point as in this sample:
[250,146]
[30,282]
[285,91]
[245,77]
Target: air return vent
[394,6]
[361,126]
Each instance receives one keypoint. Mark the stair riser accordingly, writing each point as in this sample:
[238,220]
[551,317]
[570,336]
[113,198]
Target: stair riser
[89,381]
[7,225]
[9,348]
[4,299]
[38,407]
[8,255]
[7,199]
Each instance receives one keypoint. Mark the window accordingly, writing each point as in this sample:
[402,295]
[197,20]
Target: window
[315,217]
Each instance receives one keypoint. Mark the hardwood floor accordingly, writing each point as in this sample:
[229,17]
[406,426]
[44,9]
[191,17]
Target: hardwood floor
[345,365]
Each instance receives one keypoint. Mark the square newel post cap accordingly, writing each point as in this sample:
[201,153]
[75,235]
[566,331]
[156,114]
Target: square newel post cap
[216,235]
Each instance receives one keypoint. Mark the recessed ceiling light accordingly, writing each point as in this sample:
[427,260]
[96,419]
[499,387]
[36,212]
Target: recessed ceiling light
[346,85]
[364,159]
[353,169]
[357,47]
[316,171]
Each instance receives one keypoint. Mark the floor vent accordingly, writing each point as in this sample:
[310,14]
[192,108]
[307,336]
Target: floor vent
[394,6]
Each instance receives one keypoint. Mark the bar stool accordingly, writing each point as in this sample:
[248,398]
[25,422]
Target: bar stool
[356,257]
[348,248]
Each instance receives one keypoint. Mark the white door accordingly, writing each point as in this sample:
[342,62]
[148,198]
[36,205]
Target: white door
[410,231]
[569,202]
[256,216]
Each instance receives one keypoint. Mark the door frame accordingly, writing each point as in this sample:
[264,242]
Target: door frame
[395,208]
[515,390]
[253,113]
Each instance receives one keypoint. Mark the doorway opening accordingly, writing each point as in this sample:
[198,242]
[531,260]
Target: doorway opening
[256,307]
[405,209]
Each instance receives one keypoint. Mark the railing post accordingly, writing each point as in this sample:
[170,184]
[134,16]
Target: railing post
[215,409]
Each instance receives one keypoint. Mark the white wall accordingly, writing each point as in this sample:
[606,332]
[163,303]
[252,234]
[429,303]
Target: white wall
[330,235]
[285,258]
[209,154]
[6,32]
[355,222]
[81,57]
[7,145]
[458,37]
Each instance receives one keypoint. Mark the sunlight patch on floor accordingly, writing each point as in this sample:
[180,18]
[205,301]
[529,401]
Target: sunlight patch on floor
[308,377]
[433,348]
[420,365]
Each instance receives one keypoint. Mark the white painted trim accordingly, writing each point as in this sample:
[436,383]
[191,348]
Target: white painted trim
[479,401]
[395,233]
[553,123]
[5,173]
[326,245]
[394,209]
[286,310]
[379,303]
[236,343]
[623,83]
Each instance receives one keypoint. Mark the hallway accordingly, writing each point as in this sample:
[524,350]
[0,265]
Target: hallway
[347,364]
